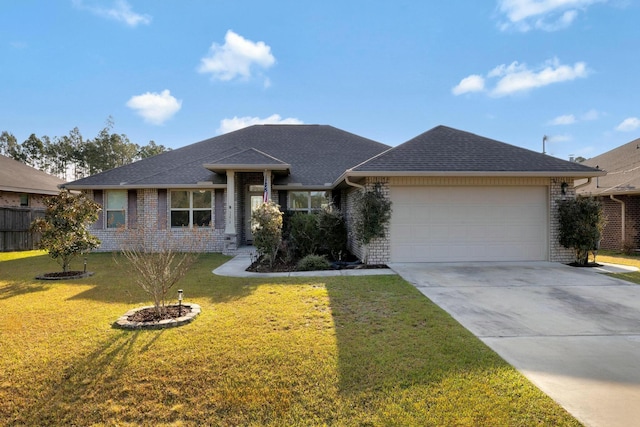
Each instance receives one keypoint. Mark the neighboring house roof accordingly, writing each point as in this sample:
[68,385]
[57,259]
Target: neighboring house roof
[622,165]
[315,155]
[447,151]
[20,178]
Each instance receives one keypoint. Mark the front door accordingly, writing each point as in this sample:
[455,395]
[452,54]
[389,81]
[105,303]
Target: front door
[255,200]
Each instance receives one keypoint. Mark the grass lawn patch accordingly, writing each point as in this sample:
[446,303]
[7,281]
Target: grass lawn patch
[614,257]
[264,352]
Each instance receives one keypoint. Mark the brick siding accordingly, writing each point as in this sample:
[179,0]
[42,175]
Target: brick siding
[612,233]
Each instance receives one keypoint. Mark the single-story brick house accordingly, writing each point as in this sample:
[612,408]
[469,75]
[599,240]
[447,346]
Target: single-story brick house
[456,196]
[22,193]
[619,193]
[22,186]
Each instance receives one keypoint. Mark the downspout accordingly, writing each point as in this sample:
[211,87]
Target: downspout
[623,214]
[353,184]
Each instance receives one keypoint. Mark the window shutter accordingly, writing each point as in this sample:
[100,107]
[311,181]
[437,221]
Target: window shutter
[98,198]
[132,208]
[162,209]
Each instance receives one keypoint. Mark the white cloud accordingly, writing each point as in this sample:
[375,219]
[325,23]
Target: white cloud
[155,108]
[229,125]
[591,115]
[521,79]
[121,12]
[472,83]
[546,15]
[236,58]
[516,77]
[629,124]
[566,119]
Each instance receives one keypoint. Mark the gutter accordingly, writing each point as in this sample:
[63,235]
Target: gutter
[352,184]
[622,215]
[575,187]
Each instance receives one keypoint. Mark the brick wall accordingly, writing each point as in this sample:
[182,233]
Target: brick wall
[612,234]
[557,252]
[11,199]
[212,240]
[379,250]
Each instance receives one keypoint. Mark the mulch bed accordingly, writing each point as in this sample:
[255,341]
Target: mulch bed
[64,275]
[591,264]
[281,266]
[150,315]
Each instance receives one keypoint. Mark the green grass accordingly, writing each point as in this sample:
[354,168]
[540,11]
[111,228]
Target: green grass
[615,257]
[344,351]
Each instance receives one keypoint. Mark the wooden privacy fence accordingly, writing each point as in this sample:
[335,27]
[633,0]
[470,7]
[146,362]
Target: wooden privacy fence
[14,229]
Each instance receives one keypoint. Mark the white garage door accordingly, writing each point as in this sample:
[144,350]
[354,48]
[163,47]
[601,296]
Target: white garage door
[450,224]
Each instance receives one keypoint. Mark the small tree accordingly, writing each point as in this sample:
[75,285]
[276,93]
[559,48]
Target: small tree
[65,225]
[266,225]
[372,213]
[333,231]
[157,264]
[581,223]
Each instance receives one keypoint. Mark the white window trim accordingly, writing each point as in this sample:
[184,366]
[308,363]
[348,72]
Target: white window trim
[191,208]
[107,210]
[308,209]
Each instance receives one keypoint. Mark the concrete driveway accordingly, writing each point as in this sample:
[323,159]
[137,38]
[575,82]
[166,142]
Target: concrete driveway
[573,332]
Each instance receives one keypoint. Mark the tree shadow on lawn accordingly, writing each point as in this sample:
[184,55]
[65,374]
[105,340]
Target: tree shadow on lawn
[86,376]
[17,276]
[393,341]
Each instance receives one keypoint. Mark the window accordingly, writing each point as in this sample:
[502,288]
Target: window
[189,208]
[116,208]
[24,200]
[307,201]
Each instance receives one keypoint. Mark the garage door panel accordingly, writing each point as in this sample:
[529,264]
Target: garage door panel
[438,224]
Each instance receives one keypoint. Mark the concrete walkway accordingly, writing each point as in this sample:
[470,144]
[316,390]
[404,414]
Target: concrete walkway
[573,332]
[236,267]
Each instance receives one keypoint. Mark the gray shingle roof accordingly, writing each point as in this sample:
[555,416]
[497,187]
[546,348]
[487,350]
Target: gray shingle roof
[622,165]
[318,154]
[444,149]
[20,178]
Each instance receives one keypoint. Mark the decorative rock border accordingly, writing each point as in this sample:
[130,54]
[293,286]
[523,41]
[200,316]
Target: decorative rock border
[80,275]
[124,323]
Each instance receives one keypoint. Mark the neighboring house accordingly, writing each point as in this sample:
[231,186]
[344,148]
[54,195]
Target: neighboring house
[619,193]
[22,193]
[456,196]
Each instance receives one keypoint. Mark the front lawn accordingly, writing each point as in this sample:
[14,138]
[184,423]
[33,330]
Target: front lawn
[282,352]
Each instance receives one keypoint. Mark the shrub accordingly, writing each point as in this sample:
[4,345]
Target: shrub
[65,225]
[155,264]
[313,263]
[581,223]
[333,232]
[267,230]
[304,235]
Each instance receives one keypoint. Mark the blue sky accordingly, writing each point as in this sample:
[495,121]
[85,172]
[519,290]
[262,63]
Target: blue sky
[177,72]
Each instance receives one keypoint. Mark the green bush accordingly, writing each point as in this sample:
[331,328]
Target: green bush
[304,236]
[267,230]
[313,263]
[581,223]
[333,233]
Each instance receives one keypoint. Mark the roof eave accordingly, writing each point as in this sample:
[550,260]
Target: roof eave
[568,174]
[125,186]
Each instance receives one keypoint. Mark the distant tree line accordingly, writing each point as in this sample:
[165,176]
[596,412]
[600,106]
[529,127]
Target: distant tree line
[72,157]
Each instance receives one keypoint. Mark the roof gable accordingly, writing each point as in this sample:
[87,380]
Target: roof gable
[447,150]
[622,165]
